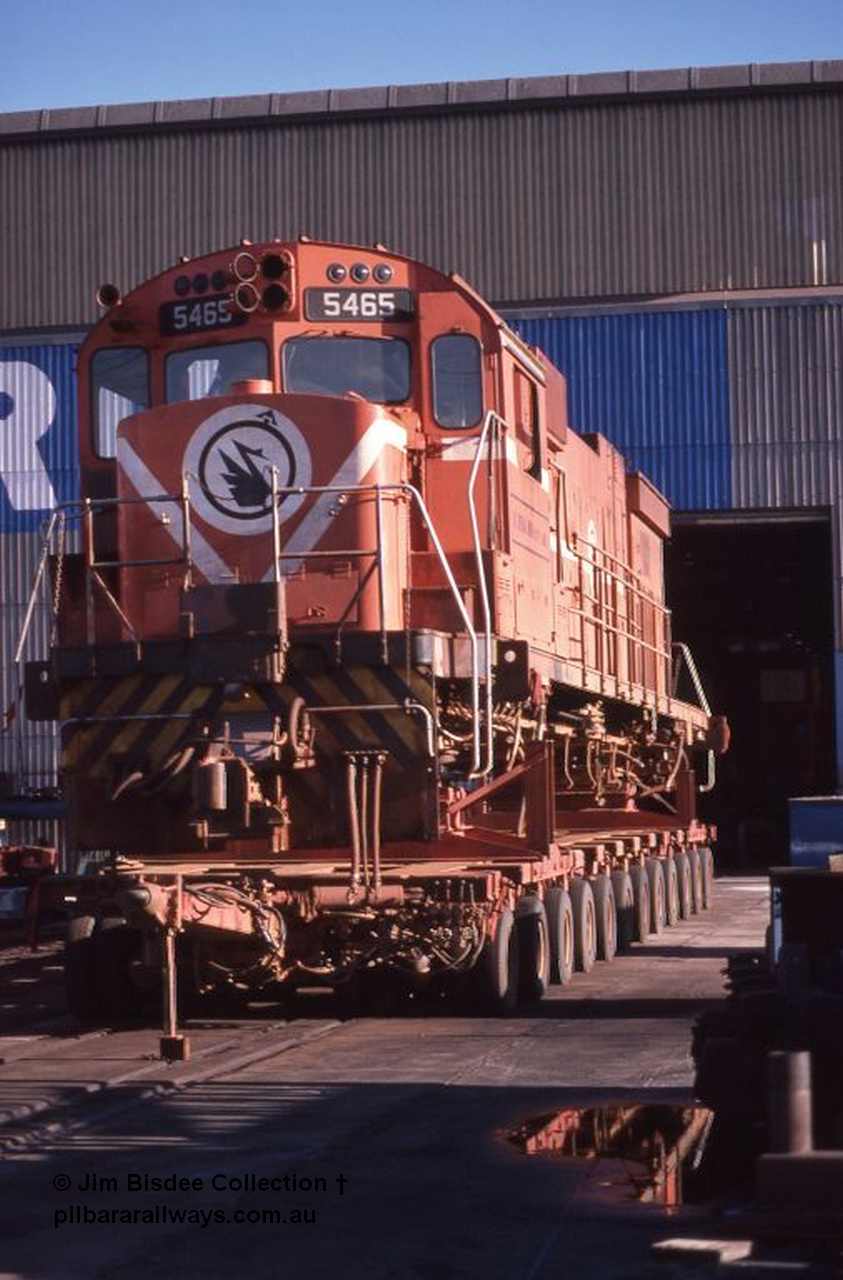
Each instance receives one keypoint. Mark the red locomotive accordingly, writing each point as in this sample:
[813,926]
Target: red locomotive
[363,666]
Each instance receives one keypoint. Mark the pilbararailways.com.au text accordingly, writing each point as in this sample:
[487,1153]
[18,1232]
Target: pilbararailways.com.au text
[163,1214]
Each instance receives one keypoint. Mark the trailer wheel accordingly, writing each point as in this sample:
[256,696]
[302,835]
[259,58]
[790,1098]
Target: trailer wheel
[658,911]
[671,892]
[695,873]
[560,926]
[624,909]
[683,872]
[80,969]
[499,967]
[533,946]
[641,902]
[585,924]
[115,947]
[607,917]
[707,876]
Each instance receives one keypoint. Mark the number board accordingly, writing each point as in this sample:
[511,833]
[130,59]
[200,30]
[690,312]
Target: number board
[198,315]
[359,304]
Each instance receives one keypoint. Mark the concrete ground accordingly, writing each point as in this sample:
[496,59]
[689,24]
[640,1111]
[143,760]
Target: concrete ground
[411,1112]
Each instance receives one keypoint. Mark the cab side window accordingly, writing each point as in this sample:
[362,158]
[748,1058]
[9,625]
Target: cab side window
[119,388]
[457,368]
[527,424]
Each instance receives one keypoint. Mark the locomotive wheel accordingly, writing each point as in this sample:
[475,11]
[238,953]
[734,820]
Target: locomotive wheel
[658,913]
[641,902]
[695,870]
[671,892]
[683,873]
[707,876]
[533,947]
[560,923]
[80,969]
[625,909]
[115,947]
[607,917]
[585,924]
[499,967]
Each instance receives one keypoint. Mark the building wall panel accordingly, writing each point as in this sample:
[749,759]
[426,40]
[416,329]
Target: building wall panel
[27,749]
[39,468]
[39,460]
[656,384]
[573,197]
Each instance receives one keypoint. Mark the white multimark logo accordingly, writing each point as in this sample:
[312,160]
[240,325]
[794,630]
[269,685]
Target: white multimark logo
[230,462]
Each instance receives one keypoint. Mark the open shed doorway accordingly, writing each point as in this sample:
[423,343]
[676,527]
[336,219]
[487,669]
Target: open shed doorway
[751,594]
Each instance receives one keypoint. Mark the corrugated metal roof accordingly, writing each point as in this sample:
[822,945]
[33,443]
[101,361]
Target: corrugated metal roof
[741,77]
[657,386]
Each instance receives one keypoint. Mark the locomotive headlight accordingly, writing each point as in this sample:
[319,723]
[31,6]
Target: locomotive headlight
[244,267]
[336,273]
[360,273]
[246,297]
[382,273]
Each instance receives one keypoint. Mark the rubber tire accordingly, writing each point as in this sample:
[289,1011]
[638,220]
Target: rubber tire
[658,891]
[533,948]
[560,926]
[683,872]
[641,902]
[671,892]
[499,967]
[695,870]
[115,947]
[585,924]
[625,907]
[707,876]
[607,917]
[80,969]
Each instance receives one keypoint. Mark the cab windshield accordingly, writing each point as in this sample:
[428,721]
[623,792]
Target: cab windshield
[212,371]
[378,369]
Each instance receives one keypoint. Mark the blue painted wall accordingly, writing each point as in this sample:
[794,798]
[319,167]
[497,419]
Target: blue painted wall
[39,457]
[657,385]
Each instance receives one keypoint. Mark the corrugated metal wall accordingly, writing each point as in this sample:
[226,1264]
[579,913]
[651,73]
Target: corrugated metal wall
[657,386]
[786,390]
[39,466]
[622,197]
[727,408]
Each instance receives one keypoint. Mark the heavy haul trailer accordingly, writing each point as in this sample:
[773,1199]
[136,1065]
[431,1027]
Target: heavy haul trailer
[361,660]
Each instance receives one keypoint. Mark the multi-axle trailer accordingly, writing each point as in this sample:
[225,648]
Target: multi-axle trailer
[360,653]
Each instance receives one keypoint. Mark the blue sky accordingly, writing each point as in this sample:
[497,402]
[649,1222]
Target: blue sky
[86,52]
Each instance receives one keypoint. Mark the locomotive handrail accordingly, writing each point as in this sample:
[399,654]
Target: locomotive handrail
[410,491]
[85,509]
[36,585]
[616,572]
[683,654]
[491,424]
